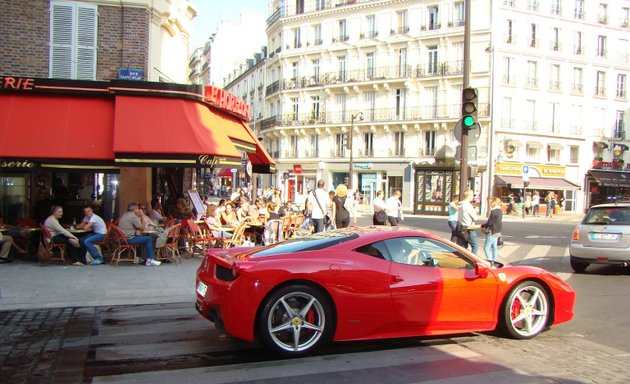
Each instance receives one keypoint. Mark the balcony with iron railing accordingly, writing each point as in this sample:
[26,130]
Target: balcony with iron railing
[289,9]
[427,113]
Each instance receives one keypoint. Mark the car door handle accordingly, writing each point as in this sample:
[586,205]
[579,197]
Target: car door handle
[397,279]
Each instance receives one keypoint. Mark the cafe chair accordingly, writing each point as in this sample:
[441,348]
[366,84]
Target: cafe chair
[273,232]
[48,250]
[199,238]
[238,237]
[106,246]
[286,225]
[170,249]
[122,250]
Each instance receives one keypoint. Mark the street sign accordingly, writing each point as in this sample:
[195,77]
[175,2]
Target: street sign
[525,172]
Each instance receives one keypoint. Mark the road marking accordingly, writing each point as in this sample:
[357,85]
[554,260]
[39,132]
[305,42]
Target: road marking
[507,250]
[538,251]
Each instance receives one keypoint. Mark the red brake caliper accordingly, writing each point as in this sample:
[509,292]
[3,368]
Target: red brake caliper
[516,309]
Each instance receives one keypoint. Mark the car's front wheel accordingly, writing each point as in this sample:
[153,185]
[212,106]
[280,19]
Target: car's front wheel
[526,311]
[578,266]
[295,320]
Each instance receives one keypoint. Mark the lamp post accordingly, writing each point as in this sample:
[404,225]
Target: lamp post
[358,115]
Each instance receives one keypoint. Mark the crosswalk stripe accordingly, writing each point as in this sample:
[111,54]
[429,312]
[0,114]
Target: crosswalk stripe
[537,251]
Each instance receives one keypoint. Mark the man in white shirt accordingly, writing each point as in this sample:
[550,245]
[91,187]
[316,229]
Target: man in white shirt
[93,222]
[394,208]
[316,206]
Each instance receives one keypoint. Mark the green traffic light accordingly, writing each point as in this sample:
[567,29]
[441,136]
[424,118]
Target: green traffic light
[468,121]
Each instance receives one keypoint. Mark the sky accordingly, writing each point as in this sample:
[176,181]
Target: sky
[210,12]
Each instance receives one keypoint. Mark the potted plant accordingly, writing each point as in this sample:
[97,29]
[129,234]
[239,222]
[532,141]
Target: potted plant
[597,162]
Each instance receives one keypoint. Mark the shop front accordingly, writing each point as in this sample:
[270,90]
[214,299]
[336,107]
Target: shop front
[606,186]
[541,179]
[69,142]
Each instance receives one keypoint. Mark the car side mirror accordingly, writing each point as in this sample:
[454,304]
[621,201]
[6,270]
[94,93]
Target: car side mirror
[481,270]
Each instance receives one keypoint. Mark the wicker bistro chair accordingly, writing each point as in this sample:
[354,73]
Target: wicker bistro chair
[49,250]
[273,232]
[106,246]
[286,226]
[170,250]
[122,251]
[238,237]
[199,238]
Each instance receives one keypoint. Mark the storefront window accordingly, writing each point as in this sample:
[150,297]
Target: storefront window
[13,196]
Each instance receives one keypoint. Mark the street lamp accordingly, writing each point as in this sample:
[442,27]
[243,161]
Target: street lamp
[354,117]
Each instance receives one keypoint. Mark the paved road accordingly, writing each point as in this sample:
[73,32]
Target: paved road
[137,324]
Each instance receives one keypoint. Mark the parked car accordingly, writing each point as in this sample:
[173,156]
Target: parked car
[603,237]
[372,283]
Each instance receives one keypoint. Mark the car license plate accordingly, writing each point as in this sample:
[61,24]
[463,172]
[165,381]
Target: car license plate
[604,236]
[201,289]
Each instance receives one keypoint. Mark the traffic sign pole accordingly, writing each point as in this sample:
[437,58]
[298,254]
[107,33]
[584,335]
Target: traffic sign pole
[463,161]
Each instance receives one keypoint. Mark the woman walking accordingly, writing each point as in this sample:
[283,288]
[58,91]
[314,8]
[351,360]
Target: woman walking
[493,229]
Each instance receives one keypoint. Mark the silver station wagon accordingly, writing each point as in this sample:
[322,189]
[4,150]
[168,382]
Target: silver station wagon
[603,237]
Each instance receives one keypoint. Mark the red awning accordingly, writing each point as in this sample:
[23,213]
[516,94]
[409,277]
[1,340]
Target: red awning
[171,132]
[243,138]
[57,131]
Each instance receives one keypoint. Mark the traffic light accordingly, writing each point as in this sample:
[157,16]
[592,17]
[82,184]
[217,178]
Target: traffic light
[469,107]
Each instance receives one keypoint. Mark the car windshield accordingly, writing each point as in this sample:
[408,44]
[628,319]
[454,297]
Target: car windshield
[308,243]
[608,216]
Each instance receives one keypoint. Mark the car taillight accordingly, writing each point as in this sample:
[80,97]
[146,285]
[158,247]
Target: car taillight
[576,235]
[238,268]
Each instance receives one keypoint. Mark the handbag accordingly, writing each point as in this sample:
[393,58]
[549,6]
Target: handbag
[43,254]
[380,216]
[500,240]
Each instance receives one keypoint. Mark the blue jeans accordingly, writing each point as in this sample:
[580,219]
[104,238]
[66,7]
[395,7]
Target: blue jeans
[453,226]
[88,243]
[472,240]
[147,241]
[318,225]
[490,248]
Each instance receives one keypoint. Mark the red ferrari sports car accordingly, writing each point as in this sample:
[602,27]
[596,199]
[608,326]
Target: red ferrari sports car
[372,283]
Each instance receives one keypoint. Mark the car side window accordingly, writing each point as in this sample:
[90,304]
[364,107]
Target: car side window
[426,252]
[375,250]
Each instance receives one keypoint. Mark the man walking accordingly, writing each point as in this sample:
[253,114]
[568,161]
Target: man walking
[466,217]
[394,208]
[316,206]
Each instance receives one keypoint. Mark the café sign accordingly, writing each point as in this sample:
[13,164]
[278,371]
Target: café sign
[17,164]
[10,83]
[226,100]
[516,169]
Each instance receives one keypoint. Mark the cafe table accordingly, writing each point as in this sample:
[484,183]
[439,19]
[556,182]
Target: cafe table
[30,237]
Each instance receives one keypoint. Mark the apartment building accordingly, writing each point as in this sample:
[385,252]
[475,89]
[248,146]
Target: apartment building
[560,100]
[386,75]
[552,81]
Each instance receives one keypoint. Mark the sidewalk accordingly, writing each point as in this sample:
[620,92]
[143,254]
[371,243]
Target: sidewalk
[29,285]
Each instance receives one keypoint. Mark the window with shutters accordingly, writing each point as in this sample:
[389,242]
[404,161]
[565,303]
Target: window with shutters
[73,29]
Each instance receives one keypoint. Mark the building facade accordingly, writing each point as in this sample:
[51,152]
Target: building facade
[552,82]
[382,78]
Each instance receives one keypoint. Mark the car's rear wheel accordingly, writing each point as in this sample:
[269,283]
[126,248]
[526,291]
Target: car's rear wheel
[578,266]
[526,310]
[295,320]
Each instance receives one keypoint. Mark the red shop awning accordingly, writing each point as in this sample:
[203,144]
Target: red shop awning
[57,131]
[243,138]
[171,132]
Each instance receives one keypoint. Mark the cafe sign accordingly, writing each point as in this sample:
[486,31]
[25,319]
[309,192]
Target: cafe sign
[10,83]
[17,164]
[226,100]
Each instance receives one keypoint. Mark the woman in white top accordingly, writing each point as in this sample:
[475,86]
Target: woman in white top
[60,235]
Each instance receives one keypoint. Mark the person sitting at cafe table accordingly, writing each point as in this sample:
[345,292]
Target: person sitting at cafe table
[228,217]
[181,211]
[156,213]
[286,209]
[7,242]
[271,211]
[131,226]
[93,222]
[60,235]
[243,212]
[214,223]
[147,223]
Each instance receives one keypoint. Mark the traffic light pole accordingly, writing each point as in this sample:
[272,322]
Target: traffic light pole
[463,161]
